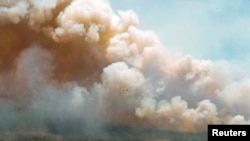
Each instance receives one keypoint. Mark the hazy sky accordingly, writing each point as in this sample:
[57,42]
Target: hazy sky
[209,29]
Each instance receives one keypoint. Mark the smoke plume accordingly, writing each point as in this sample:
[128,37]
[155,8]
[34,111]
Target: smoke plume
[78,63]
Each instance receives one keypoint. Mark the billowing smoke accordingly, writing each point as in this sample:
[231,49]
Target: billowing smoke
[77,63]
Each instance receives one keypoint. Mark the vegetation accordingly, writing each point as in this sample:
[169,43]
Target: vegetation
[108,133]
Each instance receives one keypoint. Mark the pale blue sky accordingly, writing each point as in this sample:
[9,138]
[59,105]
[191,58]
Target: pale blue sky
[206,29]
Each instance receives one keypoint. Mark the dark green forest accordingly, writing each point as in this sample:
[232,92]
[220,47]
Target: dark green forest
[106,133]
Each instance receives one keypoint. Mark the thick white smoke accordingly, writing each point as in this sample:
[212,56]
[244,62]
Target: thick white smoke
[77,60]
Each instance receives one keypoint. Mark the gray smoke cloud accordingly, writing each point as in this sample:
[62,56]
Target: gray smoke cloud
[80,62]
